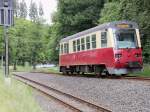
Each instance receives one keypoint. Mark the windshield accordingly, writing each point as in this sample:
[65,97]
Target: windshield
[126,39]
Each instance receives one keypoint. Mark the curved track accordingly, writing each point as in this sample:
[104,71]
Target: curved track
[69,101]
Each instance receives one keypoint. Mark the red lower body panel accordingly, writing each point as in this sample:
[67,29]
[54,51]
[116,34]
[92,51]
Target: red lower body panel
[129,60]
[92,57]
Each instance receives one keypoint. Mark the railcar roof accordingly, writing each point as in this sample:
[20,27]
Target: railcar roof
[100,27]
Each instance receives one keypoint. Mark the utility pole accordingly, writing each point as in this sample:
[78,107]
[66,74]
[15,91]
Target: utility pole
[6,20]
[6,52]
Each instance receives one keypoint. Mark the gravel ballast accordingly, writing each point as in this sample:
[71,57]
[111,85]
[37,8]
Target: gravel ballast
[119,95]
[48,104]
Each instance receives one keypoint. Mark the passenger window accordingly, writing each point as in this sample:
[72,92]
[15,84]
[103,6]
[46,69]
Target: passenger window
[74,46]
[61,48]
[78,45]
[103,39]
[93,41]
[66,48]
[88,42]
[82,44]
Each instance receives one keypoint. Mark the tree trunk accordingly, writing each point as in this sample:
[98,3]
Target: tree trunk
[34,66]
[15,65]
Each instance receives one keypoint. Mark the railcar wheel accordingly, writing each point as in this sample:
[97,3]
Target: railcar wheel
[78,72]
[82,73]
[71,72]
[65,72]
[98,75]
[104,73]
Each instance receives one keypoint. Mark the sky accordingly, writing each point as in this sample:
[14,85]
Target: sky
[49,7]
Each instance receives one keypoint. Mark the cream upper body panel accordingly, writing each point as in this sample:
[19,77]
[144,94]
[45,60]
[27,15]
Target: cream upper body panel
[138,37]
[104,33]
[110,40]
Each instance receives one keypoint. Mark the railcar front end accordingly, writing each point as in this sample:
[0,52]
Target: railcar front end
[127,51]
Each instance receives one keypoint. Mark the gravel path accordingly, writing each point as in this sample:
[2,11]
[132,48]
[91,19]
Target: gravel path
[115,94]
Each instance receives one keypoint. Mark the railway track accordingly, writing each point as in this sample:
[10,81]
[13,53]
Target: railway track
[109,77]
[73,103]
[136,78]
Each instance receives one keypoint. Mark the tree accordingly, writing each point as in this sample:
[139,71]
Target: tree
[33,11]
[41,12]
[27,42]
[19,48]
[73,16]
[16,8]
[23,10]
[110,12]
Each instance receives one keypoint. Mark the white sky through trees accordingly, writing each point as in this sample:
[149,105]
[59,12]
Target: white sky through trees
[49,6]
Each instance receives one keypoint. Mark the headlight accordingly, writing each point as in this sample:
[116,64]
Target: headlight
[137,55]
[118,55]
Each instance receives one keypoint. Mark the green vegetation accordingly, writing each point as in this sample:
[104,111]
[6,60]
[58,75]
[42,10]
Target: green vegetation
[16,97]
[48,70]
[21,69]
[28,39]
[146,71]
[30,69]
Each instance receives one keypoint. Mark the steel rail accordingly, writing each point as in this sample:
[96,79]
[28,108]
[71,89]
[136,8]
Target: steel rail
[137,78]
[48,95]
[74,108]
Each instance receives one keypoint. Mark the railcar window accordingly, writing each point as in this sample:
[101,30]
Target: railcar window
[66,48]
[82,44]
[88,42]
[126,39]
[74,46]
[94,41]
[78,45]
[62,48]
[103,39]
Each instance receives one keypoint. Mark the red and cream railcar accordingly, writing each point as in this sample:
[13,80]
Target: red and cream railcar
[111,48]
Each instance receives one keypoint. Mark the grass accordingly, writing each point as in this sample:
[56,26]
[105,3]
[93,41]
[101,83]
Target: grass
[30,69]
[145,72]
[48,70]
[21,69]
[17,97]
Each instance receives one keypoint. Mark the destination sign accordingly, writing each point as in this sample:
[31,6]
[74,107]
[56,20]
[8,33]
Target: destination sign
[124,25]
